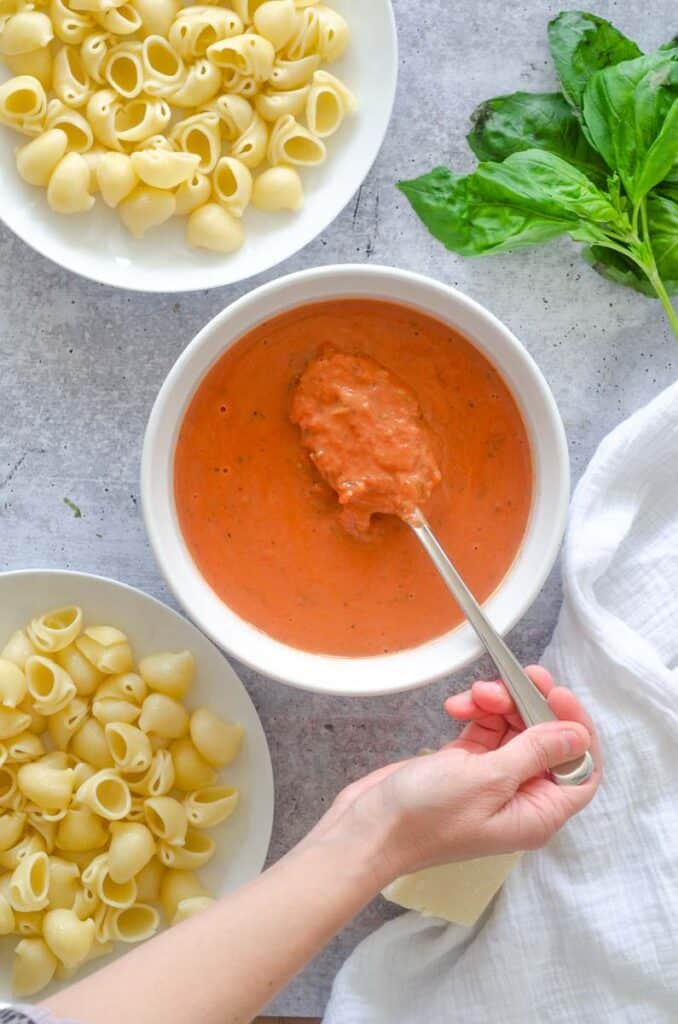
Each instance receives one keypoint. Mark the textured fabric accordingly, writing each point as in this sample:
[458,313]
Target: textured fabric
[584,931]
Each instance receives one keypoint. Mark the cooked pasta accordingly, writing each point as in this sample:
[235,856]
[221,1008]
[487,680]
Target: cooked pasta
[120,99]
[107,781]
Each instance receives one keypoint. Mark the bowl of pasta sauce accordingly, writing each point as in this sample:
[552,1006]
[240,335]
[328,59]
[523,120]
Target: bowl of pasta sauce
[251,538]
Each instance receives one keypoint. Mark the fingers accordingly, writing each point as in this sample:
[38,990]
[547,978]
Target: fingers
[481,737]
[535,751]
[537,811]
[493,698]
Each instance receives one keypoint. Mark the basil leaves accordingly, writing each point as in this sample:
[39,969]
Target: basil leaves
[598,162]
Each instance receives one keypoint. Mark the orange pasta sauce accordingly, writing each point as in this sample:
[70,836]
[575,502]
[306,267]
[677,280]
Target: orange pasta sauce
[264,528]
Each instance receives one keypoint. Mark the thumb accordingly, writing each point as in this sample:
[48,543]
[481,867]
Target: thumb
[540,748]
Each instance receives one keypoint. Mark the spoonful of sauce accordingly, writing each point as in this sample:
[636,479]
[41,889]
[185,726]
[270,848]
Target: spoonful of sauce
[367,436]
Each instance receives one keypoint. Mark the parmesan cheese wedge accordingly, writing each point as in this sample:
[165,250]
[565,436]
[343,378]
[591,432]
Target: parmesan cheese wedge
[457,892]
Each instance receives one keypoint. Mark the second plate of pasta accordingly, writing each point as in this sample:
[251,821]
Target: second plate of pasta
[133,764]
[165,147]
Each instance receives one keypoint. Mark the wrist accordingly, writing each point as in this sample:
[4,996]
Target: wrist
[359,843]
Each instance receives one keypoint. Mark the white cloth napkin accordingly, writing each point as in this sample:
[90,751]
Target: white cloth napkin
[585,931]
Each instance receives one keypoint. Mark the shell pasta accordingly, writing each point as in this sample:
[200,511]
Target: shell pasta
[161,108]
[108,782]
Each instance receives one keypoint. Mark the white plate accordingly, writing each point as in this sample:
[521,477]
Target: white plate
[243,840]
[97,246]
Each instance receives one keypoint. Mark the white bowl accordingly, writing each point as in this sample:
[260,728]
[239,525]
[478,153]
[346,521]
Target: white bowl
[404,669]
[96,245]
[242,842]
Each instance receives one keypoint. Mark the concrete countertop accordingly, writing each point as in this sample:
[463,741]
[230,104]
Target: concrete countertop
[81,365]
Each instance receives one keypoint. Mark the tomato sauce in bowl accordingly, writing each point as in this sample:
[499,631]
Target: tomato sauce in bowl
[264,528]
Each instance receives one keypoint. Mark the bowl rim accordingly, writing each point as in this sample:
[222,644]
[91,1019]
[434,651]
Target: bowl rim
[346,676]
[156,285]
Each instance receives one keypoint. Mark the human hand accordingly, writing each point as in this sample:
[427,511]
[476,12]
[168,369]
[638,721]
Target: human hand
[487,792]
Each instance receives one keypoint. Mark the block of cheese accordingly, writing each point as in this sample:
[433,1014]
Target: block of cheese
[457,892]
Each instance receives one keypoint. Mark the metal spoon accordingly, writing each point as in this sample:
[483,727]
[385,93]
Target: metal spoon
[531,704]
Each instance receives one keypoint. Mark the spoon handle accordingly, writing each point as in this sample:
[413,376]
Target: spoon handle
[532,706]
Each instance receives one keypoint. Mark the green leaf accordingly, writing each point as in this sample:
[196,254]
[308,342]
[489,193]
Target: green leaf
[582,44]
[525,120]
[631,115]
[531,197]
[662,217]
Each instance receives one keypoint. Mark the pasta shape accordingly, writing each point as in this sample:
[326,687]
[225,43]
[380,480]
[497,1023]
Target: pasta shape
[333,33]
[156,15]
[113,894]
[54,630]
[273,105]
[89,743]
[141,119]
[235,112]
[192,193]
[29,884]
[18,648]
[31,843]
[163,169]
[94,53]
[328,103]
[112,709]
[132,847]
[200,135]
[34,967]
[68,190]
[37,64]
[293,74]
[8,786]
[148,882]
[64,882]
[208,807]
[214,228]
[23,104]
[83,673]
[304,36]
[7,919]
[292,143]
[215,739]
[69,26]
[81,830]
[106,647]
[197,850]
[168,673]
[159,779]
[68,938]
[124,20]
[70,79]
[45,826]
[12,825]
[65,723]
[13,686]
[164,716]
[248,54]
[191,771]
[146,208]
[129,686]
[130,747]
[49,685]
[197,28]
[163,68]
[201,84]
[77,128]
[48,788]
[250,148]
[276,21]
[166,818]
[232,182]
[24,747]
[124,70]
[106,794]
[176,886]
[134,924]
[25,32]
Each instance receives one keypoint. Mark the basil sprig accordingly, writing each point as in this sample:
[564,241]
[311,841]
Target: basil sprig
[598,162]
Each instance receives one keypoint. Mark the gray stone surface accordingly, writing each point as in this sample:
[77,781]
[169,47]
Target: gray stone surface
[81,365]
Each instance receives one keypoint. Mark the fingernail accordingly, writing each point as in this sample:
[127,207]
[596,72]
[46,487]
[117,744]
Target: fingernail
[572,739]
[495,687]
